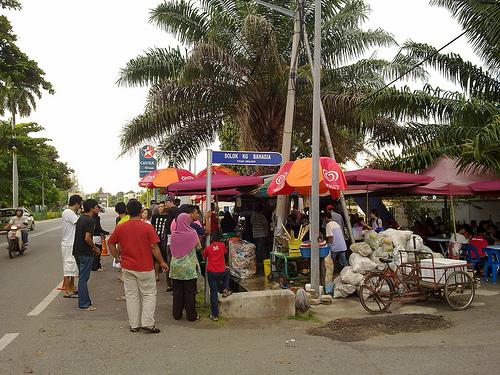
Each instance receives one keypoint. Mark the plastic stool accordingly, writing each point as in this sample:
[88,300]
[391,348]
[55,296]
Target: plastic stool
[492,264]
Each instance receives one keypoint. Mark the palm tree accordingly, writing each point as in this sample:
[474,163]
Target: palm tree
[235,73]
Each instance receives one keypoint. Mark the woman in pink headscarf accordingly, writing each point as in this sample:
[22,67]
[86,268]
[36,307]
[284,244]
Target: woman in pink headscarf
[184,267]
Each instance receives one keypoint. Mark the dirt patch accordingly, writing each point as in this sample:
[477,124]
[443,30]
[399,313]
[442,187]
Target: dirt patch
[350,330]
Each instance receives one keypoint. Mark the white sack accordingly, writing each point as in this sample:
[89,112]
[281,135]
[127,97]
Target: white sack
[361,248]
[361,264]
[348,276]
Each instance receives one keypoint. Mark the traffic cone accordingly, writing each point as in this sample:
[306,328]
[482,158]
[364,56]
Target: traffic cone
[104,252]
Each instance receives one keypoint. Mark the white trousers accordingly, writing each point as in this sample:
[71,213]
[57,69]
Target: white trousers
[140,294]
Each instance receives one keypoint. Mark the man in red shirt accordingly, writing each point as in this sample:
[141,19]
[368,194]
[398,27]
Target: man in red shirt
[216,271]
[480,242]
[138,241]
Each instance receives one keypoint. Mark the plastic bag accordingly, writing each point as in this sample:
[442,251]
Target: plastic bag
[361,264]
[361,248]
[329,267]
[348,276]
[116,264]
[371,238]
[301,301]
[242,259]
[415,243]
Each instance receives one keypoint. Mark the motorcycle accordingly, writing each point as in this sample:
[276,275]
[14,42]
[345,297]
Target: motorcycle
[15,241]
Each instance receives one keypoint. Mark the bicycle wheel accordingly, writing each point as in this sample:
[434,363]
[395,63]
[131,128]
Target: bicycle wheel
[459,290]
[376,293]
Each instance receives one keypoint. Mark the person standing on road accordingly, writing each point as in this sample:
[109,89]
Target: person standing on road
[84,250]
[336,242]
[99,236]
[172,208]
[336,216]
[159,222]
[260,231]
[70,269]
[138,240]
[184,268]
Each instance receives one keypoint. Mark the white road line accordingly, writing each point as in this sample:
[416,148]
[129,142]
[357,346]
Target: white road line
[7,339]
[36,234]
[46,301]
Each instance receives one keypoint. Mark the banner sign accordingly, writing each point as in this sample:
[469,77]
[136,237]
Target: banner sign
[147,162]
[246,158]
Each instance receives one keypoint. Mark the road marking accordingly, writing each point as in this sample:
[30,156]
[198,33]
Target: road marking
[46,301]
[7,339]
[36,234]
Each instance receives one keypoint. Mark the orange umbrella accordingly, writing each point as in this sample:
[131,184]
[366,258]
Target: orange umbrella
[218,169]
[167,176]
[296,176]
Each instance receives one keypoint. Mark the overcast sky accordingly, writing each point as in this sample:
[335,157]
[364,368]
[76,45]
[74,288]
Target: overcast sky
[82,46]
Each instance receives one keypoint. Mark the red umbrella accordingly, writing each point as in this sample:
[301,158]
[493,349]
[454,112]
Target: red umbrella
[147,180]
[486,186]
[296,176]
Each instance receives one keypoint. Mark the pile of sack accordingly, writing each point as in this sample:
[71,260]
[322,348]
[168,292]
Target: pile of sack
[365,257]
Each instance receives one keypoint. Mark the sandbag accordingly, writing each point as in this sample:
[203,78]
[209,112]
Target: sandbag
[361,248]
[342,290]
[348,276]
[329,267]
[399,238]
[301,300]
[361,264]
[371,238]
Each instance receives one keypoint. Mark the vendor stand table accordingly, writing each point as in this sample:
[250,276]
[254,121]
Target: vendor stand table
[442,242]
[285,257]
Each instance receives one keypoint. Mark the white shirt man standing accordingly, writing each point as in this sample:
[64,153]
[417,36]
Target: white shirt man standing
[70,268]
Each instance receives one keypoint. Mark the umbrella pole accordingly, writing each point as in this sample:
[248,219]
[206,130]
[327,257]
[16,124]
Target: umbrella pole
[367,206]
[206,296]
[454,226]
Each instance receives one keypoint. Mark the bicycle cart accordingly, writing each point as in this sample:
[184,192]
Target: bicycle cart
[416,276]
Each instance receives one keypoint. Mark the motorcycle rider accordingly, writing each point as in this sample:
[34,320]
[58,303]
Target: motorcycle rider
[21,224]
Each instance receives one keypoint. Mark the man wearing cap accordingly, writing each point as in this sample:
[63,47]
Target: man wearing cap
[336,216]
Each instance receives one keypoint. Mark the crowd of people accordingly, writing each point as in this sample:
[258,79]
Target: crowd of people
[166,237]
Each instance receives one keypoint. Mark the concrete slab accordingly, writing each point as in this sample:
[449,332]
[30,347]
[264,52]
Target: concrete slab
[259,304]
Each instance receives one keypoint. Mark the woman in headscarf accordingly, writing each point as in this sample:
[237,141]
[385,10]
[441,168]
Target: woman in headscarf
[183,267]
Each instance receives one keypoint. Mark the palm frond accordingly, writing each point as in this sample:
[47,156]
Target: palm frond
[155,65]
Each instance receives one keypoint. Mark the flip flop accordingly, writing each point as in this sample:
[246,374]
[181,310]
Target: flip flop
[70,295]
[90,308]
[151,330]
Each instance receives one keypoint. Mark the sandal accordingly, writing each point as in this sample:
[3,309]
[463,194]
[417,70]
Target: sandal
[153,329]
[227,293]
[73,295]
[214,318]
[134,329]
[197,317]
[90,308]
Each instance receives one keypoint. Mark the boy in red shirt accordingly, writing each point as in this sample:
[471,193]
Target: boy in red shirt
[480,242]
[216,271]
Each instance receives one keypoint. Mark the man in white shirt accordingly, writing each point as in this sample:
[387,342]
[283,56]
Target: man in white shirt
[336,241]
[70,268]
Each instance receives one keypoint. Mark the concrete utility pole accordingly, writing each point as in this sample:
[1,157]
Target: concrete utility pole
[15,176]
[314,209]
[282,200]
[329,145]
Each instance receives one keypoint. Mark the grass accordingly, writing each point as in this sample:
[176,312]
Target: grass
[204,311]
[39,216]
[305,317]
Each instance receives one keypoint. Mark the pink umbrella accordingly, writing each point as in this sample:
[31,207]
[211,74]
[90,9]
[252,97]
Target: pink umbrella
[219,182]
[375,176]
[486,186]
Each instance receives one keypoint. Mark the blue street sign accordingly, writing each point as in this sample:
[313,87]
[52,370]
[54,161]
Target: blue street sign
[246,158]
[147,162]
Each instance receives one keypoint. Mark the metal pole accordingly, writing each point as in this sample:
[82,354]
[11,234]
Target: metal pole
[15,176]
[328,139]
[454,225]
[314,209]
[281,204]
[208,204]
[43,194]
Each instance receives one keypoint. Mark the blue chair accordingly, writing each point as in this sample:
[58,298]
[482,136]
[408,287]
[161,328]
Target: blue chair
[475,260]
[492,264]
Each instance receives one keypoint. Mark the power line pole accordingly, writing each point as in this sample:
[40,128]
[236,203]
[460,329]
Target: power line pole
[314,209]
[15,176]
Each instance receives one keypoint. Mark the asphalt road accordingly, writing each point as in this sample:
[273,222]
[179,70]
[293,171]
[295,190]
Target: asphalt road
[55,338]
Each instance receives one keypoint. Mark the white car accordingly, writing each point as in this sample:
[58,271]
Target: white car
[7,213]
